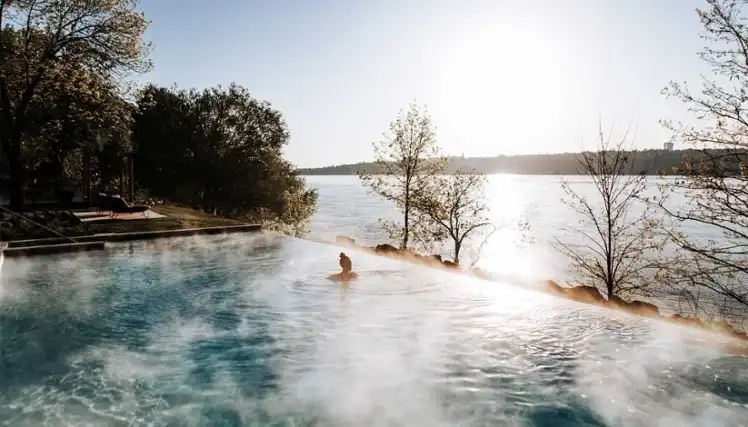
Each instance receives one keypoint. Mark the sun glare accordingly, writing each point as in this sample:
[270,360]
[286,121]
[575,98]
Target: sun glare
[501,76]
[503,253]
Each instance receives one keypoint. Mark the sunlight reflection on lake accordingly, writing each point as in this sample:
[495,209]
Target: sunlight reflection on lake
[511,255]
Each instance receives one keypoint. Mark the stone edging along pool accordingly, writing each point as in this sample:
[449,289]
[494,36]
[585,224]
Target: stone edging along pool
[22,248]
[581,293]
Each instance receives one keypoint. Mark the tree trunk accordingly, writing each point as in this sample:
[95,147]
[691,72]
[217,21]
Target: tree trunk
[405,233]
[406,219]
[16,172]
[130,178]
[87,177]
[457,252]
[206,204]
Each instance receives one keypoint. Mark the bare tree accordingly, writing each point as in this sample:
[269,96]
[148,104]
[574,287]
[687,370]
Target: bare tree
[454,207]
[611,248]
[406,158]
[476,256]
[522,226]
[714,183]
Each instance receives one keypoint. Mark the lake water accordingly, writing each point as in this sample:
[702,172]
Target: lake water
[246,331]
[346,208]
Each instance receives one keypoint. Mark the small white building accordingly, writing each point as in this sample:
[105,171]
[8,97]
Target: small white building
[668,146]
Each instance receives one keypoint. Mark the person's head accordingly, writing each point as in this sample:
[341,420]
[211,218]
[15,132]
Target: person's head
[342,255]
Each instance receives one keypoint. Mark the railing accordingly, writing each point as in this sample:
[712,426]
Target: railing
[35,223]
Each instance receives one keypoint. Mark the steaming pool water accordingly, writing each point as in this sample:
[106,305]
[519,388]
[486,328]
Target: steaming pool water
[246,331]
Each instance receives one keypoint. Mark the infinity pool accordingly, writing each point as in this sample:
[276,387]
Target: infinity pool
[247,331]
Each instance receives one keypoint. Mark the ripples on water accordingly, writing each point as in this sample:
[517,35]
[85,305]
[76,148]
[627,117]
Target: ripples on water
[247,331]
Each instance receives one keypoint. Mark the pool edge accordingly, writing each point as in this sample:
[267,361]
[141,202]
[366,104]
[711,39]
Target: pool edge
[31,247]
[737,343]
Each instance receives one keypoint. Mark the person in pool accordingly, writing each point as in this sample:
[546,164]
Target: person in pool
[346,264]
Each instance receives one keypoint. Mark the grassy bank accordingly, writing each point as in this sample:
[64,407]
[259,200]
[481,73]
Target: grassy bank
[175,218]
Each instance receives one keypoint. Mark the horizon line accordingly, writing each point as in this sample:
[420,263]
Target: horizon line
[496,156]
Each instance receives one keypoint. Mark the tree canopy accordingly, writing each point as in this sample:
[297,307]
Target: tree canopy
[454,207]
[716,184]
[219,150]
[40,38]
[66,107]
[407,157]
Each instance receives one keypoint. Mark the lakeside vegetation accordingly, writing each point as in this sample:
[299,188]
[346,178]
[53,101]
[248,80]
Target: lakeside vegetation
[69,113]
[617,251]
[69,110]
[651,162]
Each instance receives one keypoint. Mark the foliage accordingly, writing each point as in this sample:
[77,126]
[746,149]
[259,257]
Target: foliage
[103,37]
[218,150]
[454,207]
[616,255]
[63,105]
[406,158]
[715,184]
[77,114]
[653,162]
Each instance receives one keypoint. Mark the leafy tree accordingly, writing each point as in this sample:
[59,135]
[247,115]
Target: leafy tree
[715,182]
[218,150]
[299,206]
[612,246]
[406,158]
[102,36]
[454,208]
[77,114]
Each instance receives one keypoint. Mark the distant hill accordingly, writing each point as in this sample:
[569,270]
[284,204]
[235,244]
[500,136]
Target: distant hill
[536,164]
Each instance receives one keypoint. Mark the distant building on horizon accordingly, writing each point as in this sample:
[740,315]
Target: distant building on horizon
[668,146]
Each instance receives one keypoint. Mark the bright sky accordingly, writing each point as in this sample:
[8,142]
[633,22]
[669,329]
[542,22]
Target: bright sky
[498,76]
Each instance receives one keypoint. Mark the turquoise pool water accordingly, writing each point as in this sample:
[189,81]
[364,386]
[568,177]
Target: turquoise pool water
[246,331]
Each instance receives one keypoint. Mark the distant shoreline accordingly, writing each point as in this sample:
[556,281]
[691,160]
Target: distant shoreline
[489,173]
[657,162]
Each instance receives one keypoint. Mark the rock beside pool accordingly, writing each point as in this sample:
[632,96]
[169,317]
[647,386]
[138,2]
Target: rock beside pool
[685,321]
[450,264]
[722,326]
[741,335]
[640,308]
[345,241]
[554,288]
[583,293]
[643,308]
[386,249]
[434,258]
[580,293]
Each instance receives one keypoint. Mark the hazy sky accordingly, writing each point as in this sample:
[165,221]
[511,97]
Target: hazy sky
[498,76]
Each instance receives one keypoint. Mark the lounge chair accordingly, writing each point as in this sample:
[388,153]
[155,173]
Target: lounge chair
[117,205]
[102,203]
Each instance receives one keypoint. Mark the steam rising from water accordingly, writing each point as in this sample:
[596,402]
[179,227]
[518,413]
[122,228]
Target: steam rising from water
[243,330]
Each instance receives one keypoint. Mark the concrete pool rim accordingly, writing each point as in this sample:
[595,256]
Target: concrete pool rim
[31,247]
